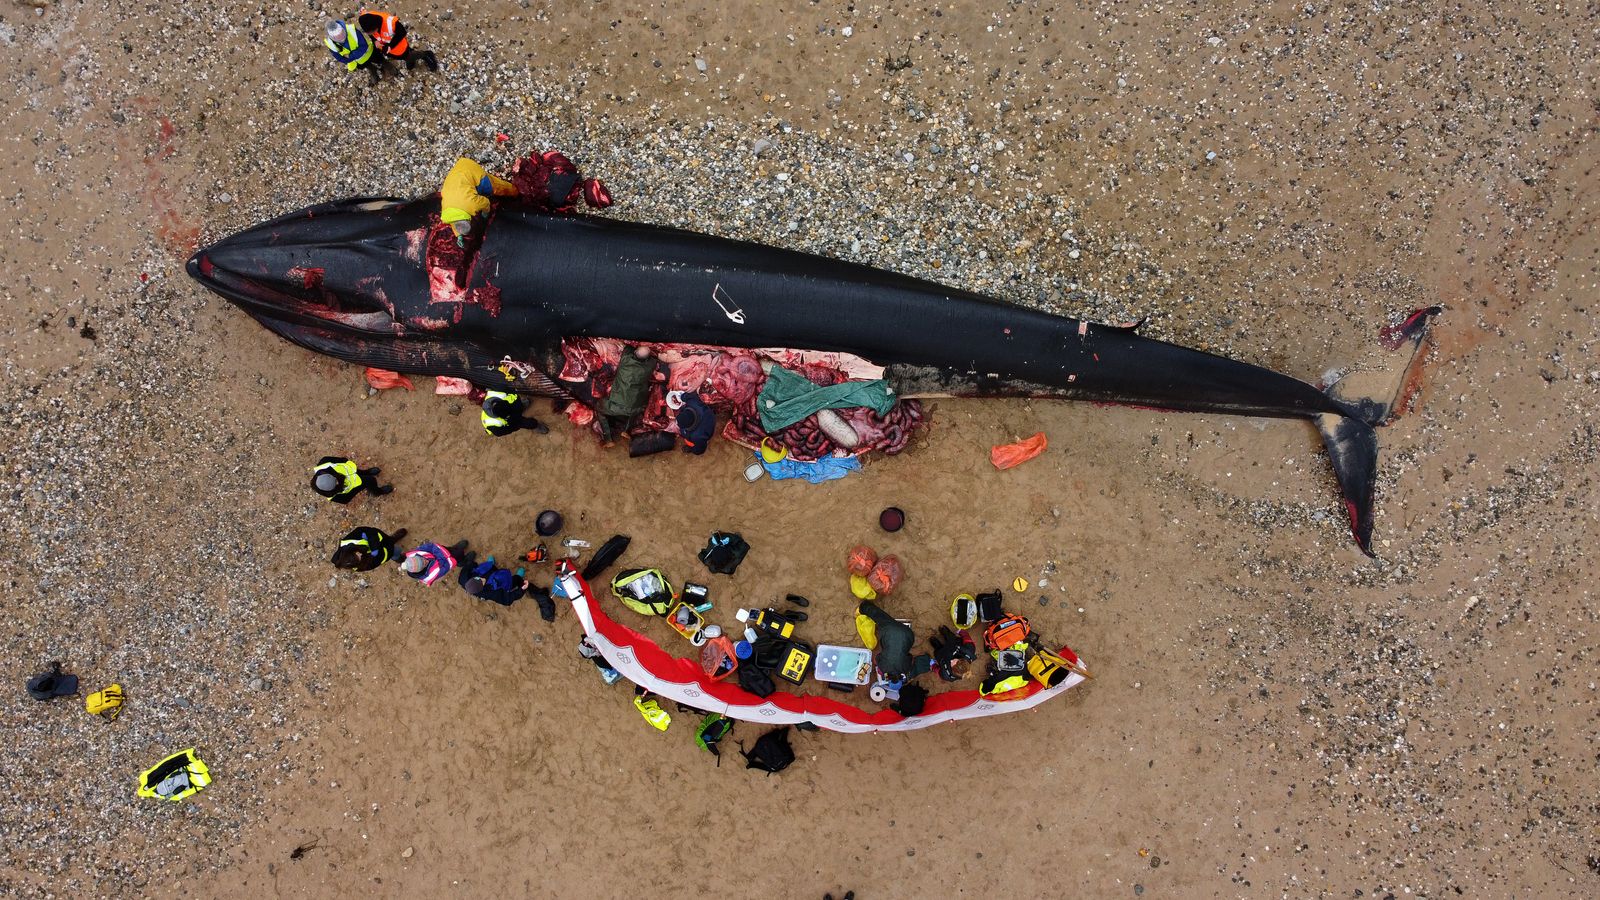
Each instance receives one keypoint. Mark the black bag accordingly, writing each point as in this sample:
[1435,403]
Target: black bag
[771,752]
[52,684]
[989,606]
[769,651]
[755,680]
[912,699]
[608,553]
[724,552]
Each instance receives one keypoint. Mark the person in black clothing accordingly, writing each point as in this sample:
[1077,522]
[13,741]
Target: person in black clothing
[366,548]
[338,479]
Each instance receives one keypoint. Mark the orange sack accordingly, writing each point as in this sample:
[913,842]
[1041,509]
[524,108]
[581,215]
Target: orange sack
[886,575]
[862,559]
[1007,455]
[379,379]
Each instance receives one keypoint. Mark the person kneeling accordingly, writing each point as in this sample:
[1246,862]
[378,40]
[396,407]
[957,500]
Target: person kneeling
[488,582]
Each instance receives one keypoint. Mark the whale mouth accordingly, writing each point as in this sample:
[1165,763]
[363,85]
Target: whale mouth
[298,294]
[334,265]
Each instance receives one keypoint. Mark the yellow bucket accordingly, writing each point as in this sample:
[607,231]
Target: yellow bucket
[771,452]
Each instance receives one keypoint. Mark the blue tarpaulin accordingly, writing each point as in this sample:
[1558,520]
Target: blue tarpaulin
[827,468]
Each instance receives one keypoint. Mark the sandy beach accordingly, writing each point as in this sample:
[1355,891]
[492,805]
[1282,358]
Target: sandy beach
[1273,713]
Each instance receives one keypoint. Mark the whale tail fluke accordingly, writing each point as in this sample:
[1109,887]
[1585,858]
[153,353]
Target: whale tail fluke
[1374,394]
[1353,449]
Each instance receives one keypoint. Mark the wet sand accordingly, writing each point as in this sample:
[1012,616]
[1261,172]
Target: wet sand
[1273,714]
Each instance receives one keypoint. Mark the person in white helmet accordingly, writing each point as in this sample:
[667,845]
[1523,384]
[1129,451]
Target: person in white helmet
[355,49]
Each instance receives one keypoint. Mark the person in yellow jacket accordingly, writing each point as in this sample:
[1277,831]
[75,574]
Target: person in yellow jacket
[467,193]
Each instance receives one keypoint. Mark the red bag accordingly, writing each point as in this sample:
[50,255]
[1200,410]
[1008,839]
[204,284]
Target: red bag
[1007,455]
[717,658]
[861,561]
[886,575]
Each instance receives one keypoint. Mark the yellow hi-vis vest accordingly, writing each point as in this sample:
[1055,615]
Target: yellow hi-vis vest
[349,480]
[491,421]
[364,544]
[354,51]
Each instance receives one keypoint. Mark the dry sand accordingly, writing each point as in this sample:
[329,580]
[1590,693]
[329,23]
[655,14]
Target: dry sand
[1274,714]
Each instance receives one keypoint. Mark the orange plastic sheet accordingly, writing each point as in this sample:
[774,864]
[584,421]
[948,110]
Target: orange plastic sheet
[382,379]
[1006,456]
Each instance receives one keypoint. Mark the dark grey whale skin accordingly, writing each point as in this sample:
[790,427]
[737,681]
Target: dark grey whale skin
[538,278]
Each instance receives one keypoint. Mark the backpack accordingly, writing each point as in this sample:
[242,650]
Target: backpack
[645,591]
[106,703]
[913,698]
[1007,631]
[724,552]
[771,752]
[713,728]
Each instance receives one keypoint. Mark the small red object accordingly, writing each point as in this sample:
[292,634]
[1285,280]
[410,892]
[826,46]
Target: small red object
[595,194]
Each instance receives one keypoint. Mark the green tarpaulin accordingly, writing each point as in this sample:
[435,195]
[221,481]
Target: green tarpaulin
[788,397]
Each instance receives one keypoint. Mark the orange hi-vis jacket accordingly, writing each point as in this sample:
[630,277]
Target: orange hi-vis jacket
[386,29]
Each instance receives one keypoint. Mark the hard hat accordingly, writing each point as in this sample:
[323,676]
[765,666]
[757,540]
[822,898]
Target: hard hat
[336,30]
[461,226]
[474,585]
[414,563]
[326,481]
[548,523]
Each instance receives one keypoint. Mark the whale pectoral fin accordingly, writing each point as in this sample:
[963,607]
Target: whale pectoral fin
[1377,390]
[414,355]
[1353,449]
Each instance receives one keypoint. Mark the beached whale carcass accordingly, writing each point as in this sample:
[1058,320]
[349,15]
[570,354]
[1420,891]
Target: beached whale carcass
[353,279]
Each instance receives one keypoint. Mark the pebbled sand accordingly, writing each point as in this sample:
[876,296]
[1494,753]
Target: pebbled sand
[1274,713]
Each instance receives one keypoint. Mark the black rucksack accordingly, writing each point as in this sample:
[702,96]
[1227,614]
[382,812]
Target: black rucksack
[771,752]
[755,680]
[724,552]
